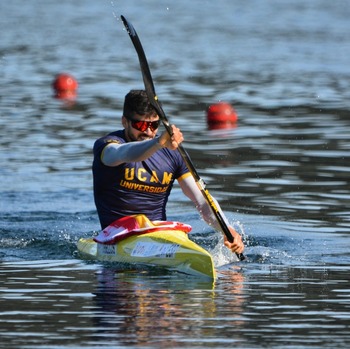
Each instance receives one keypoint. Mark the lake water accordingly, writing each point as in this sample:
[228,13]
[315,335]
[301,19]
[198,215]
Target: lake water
[281,175]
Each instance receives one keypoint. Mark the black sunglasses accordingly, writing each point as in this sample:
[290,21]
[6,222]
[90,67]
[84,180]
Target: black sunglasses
[144,125]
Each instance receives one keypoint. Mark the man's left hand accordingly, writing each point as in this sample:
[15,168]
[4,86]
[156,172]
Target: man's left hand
[237,245]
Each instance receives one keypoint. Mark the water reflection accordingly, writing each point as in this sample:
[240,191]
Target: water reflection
[260,306]
[51,303]
[140,309]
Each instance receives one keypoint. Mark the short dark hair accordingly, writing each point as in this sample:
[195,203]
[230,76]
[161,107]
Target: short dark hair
[137,102]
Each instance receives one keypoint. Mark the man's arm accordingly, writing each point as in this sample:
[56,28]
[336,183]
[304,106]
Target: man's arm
[191,190]
[115,154]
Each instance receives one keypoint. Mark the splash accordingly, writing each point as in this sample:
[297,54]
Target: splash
[221,254]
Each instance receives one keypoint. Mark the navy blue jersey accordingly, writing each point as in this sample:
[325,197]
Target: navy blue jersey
[136,187]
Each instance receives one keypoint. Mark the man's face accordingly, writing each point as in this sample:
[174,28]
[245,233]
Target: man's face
[140,127]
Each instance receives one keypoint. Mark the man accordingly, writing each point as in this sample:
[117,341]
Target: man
[134,169]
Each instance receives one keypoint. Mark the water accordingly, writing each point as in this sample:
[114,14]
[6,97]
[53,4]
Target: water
[68,304]
[282,175]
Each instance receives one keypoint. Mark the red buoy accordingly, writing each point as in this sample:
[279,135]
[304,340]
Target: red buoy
[65,86]
[221,115]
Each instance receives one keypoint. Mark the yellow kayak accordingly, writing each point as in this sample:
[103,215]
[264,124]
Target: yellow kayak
[150,243]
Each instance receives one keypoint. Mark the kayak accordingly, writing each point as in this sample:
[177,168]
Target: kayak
[136,240]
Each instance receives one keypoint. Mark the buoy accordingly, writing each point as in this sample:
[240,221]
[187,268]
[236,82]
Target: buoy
[221,115]
[65,86]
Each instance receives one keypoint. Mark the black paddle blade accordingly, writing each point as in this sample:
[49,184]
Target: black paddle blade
[146,73]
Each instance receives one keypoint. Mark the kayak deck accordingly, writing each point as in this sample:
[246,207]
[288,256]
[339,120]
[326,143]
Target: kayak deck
[170,249]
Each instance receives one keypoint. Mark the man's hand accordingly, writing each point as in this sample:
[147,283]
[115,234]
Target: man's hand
[237,245]
[172,142]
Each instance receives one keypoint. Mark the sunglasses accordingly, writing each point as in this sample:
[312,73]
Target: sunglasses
[144,125]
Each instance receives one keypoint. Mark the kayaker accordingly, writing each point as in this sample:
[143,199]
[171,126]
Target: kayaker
[134,169]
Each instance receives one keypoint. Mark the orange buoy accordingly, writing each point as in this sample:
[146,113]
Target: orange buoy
[221,115]
[65,86]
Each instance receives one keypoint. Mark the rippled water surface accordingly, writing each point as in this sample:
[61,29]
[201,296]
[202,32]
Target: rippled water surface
[281,175]
[54,304]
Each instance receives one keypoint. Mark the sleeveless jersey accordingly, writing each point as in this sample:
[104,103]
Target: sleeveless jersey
[136,187]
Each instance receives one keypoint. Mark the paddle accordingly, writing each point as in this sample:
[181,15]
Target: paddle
[153,98]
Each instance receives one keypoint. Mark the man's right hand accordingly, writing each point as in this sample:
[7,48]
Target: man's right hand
[172,143]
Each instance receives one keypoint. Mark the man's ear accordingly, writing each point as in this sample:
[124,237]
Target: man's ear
[124,121]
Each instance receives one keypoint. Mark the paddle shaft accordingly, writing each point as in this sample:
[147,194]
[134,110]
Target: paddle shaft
[153,98]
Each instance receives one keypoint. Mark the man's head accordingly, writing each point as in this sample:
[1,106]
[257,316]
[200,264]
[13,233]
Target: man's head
[140,120]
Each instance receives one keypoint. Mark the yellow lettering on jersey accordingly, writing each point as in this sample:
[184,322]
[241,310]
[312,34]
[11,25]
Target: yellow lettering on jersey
[141,187]
[167,178]
[154,178]
[140,173]
[129,173]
